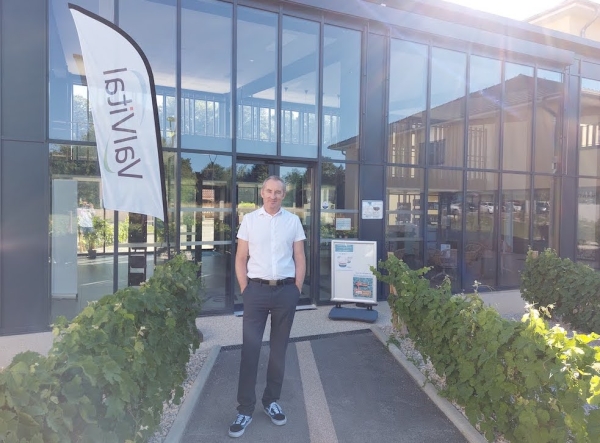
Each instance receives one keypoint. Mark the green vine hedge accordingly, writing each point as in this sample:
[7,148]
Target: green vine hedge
[521,380]
[571,289]
[110,369]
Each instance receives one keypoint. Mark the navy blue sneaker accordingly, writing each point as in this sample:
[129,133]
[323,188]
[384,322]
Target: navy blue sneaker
[275,412]
[239,425]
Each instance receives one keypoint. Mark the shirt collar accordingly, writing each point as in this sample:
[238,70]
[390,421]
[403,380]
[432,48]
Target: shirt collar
[262,211]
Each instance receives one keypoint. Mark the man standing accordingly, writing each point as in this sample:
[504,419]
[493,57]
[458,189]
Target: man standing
[270,266]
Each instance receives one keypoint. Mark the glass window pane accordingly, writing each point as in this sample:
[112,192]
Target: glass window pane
[256,81]
[300,81]
[518,105]
[339,214]
[485,90]
[482,230]
[405,214]
[156,34]
[548,120]
[341,93]
[514,227]
[544,210]
[81,231]
[206,75]
[143,242]
[448,85]
[407,101]
[588,214]
[443,230]
[589,128]
[206,218]
[69,111]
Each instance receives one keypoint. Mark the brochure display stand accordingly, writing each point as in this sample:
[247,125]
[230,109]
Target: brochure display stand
[352,280]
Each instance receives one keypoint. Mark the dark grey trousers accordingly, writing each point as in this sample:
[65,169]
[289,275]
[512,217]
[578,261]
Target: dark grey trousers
[259,301]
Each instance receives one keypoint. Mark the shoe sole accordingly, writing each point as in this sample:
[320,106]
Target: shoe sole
[276,422]
[239,433]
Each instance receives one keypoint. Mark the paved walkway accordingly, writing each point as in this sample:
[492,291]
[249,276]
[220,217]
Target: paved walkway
[339,388]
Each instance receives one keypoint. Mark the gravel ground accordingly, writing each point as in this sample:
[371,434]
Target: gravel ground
[170,410]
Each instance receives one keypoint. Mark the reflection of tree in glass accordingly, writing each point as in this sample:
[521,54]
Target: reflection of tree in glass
[334,176]
[83,125]
[252,173]
[296,182]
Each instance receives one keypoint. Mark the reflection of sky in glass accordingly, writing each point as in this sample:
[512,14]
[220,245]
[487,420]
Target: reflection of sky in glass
[485,72]
[588,85]
[513,70]
[408,79]
[550,75]
[447,76]
[199,162]
[80,91]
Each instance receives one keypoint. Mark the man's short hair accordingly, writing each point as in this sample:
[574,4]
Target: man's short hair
[276,178]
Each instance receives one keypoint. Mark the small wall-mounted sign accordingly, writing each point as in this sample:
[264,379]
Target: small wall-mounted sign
[372,209]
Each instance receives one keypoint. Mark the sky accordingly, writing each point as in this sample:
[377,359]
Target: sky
[516,9]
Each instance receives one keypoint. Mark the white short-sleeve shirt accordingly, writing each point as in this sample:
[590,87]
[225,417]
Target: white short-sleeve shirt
[270,243]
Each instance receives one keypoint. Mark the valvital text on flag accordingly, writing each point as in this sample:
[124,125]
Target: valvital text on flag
[123,104]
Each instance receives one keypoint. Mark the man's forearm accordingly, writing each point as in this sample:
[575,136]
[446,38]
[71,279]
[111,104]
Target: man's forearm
[300,273]
[241,273]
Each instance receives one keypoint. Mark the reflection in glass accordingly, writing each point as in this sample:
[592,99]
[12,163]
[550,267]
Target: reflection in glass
[443,229]
[142,239]
[206,75]
[543,212]
[341,93]
[407,101]
[481,230]
[156,35]
[518,106]
[339,214]
[69,111]
[405,214]
[448,85]
[548,120]
[588,222]
[514,227]
[485,90]
[170,167]
[256,81]
[589,128]
[298,197]
[206,224]
[300,81]
[81,231]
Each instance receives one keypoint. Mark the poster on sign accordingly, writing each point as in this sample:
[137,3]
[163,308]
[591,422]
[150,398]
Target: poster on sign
[352,279]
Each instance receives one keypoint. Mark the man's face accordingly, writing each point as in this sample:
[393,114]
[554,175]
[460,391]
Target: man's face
[272,194]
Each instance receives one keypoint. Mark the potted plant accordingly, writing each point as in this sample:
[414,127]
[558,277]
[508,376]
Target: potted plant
[90,238]
[100,234]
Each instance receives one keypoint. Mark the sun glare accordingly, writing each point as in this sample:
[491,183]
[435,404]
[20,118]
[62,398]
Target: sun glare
[515,9]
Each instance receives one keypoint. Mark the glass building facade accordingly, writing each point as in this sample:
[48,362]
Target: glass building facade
[478,144]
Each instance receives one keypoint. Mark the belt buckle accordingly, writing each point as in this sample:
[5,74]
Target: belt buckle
[272,282]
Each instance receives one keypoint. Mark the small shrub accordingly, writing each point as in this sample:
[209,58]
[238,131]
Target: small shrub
[571,289]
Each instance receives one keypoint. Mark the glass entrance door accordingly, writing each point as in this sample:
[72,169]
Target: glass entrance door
[298,200]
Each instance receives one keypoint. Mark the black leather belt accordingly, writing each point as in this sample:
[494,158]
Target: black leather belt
[284,281]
